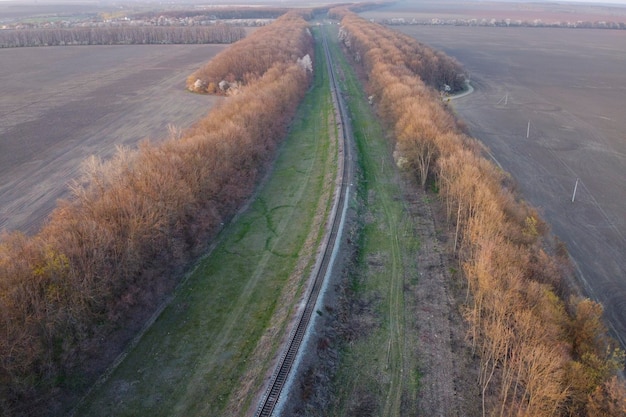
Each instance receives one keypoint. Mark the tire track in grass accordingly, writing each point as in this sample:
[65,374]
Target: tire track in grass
[385,375]
[192,360]
[385,186]
[276,229]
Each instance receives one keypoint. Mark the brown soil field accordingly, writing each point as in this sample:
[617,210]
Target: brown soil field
[16,10]
[59,105]
[570,86]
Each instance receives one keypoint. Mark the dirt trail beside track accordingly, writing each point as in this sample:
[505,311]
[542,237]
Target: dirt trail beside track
[393,342]
[448,373]
[59,105]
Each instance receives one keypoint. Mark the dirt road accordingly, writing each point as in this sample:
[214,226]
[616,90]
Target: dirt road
[59,105]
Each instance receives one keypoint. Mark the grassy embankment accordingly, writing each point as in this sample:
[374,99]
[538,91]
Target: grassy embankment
[378,372]
[208,352]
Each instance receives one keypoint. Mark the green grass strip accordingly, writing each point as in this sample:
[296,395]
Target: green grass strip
[192,360]
[378,373]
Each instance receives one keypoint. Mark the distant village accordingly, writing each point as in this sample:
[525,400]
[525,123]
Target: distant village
[101,21]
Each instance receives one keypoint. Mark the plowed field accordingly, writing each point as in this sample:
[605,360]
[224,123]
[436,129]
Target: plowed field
[549,103]
[59,105]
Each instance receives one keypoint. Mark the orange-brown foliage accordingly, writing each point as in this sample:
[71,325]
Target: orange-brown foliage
[133,222]
[249,58]
[608,400]
[538,356]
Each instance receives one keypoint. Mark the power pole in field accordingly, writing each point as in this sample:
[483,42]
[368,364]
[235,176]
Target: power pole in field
[575,187]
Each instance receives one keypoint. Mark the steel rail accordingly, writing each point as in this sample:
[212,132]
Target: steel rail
[285,364]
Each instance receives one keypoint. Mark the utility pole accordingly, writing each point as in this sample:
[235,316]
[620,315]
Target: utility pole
[575,187]
[528,130]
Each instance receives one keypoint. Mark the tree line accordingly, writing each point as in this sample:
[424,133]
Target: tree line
[247,60]
[218,13]
[234,12]
[435,68]
[543,350]
[131,226]
[507,22]
[121,35]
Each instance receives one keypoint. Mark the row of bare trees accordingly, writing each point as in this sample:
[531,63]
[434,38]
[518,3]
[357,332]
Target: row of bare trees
[132,223]
[121,35]
[250,58]
[542,350]
[243,13]
[233,12]
[435,68]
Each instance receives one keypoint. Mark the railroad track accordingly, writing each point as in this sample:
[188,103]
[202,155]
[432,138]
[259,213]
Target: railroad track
[330,243]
